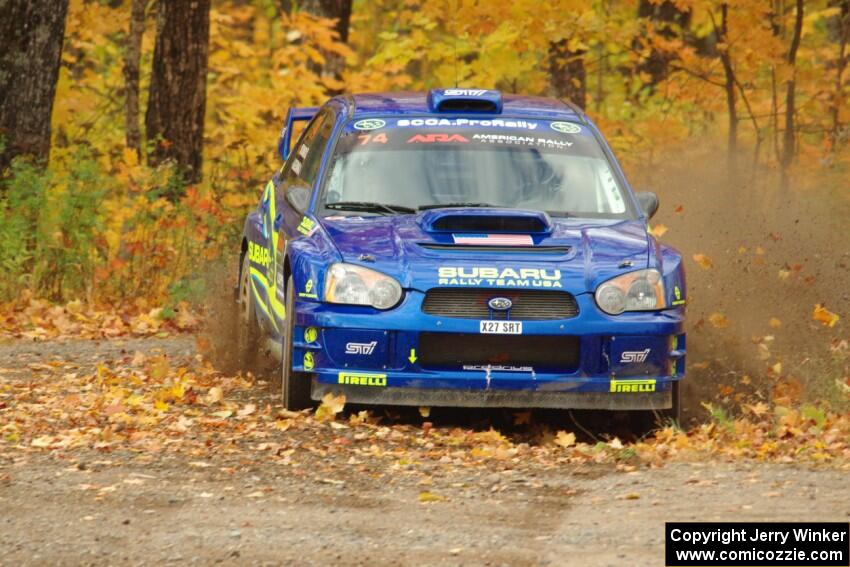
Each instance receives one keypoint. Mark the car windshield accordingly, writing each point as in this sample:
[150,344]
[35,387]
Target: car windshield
[400,166]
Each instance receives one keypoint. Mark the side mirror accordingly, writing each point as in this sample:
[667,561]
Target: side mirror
[648,202]
[299,198]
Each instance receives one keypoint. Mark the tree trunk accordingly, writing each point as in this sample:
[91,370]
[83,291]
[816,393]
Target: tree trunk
[729,86]
[668,21]
[178,91]
[132,57]
[788,146]
[31,36]
[840,66]
[567,75]
[339,10]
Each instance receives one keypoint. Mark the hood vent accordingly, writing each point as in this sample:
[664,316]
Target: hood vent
[485,220]
[553,250]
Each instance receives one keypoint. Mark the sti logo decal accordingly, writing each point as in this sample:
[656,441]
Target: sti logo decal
[361,348]
[463,92]
[630,356]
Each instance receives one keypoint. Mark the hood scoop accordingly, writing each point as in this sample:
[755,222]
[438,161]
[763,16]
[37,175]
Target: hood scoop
[485,220]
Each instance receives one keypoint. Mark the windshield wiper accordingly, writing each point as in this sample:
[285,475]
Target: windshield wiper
[450,205]
[369,207]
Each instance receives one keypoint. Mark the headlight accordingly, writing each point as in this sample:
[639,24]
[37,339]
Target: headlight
[642,290]
[356,285]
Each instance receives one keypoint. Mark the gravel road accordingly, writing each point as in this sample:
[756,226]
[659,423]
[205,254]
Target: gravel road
[86,507]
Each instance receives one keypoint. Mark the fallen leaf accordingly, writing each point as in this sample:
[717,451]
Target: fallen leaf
[704,261]
[426,497]
[658,230]
[565,439]
[775,323]
[718,320]
[825,316]
[247,410]
[330,406]
[214,395]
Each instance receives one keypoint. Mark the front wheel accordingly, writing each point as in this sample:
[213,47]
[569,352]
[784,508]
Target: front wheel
[295,386]
[247,331]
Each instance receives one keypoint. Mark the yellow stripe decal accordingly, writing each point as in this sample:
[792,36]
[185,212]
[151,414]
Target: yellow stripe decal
[261,303]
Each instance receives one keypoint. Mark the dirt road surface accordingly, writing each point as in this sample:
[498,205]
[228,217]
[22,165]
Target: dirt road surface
[87,507]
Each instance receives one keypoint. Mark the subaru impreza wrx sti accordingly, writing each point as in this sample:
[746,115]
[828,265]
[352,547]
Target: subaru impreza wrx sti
[460,248]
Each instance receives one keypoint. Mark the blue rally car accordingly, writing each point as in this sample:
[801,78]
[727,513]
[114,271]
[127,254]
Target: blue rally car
[460,248]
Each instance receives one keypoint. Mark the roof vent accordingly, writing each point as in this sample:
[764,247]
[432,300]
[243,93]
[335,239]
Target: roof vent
[477,101]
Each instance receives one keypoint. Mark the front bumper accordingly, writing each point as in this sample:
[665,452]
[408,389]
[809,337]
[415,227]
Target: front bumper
[597,361]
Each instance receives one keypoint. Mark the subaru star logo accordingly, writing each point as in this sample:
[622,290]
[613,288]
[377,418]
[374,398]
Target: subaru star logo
[500,303]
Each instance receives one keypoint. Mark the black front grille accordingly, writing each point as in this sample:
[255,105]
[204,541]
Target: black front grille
[471,303]
[472,351]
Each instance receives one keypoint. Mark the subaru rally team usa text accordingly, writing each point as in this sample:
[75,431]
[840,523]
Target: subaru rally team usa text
[460,247]
[507,277]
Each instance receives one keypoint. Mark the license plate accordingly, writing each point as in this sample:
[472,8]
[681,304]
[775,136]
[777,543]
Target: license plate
[501,327]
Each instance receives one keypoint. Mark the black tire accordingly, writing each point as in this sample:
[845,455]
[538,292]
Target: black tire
[295,386]
[247,331]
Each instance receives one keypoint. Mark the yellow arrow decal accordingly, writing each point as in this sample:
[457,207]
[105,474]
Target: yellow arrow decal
[412,357]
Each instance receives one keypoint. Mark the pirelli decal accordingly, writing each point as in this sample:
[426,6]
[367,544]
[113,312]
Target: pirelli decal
[361,379]
[632,386]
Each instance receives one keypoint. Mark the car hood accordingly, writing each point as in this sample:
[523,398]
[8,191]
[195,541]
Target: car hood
[570,254]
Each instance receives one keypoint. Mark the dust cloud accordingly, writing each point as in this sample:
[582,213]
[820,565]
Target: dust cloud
[776,253]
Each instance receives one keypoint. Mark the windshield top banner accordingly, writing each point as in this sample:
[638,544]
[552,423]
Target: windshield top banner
[467,133]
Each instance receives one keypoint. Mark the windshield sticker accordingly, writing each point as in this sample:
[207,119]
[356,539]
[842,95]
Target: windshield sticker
[498,123]
[437,138]
[565,127]
[502,277]
[369,124]
[370,139]
[522,141]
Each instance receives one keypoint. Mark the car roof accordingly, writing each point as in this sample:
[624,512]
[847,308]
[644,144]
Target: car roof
[416,103]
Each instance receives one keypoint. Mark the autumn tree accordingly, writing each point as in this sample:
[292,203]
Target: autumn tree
[177,102]
[567,73]
[340,12]
[788,146]
[132,58]
[663,20]
[838,99]
[31,36]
